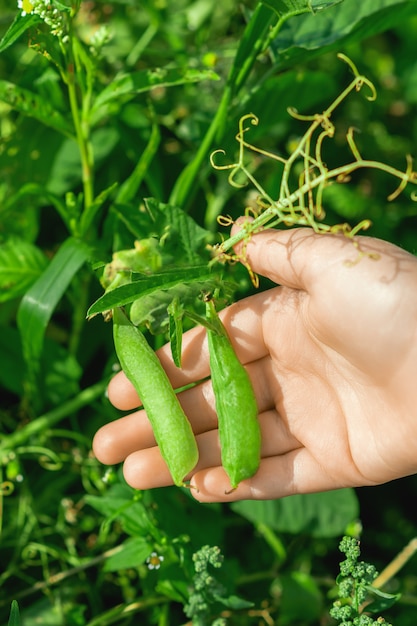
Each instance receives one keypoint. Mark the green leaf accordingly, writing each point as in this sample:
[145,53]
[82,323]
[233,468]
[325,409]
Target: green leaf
[11,360]
[383,600]
[152,310]
[14,618]
[38,304]
[129,188]
[301,599]
[119,503]
[233,602]
[66,168]
[288,7]
[134,551]
[33,194]
[319,515]
[321,5]
[181,232]
[21,263]
[18,27]
[308,35]
[175,313]
[145,285]
[31,104]
[126,86]
[88,216]
[285,7]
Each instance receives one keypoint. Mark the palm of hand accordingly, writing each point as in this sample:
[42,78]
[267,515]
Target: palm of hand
[330,354]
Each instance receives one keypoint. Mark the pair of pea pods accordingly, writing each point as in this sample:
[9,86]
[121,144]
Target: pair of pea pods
[236,408]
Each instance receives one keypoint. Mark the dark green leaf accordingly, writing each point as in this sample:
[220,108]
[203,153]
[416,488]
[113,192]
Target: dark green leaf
[309,35]
[175,313]
[321,5]
[11,360]
[285,7]
[233,602]
[133,552]
[88,216]
[127,86]
[301,599]
[66,169]
[17,28]
[318,515]
[33,194]
[14,618]
[40,301]
[21,263]
[145,285]
[119,503]
[129,188]
[31,104]
[383,600]
[152,310]
[180,231]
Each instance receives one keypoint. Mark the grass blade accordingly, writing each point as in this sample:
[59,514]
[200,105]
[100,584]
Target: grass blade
[39,302]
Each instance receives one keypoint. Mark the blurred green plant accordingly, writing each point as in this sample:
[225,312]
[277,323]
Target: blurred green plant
[108,114]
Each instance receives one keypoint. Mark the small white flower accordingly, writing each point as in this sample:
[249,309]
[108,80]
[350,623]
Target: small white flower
[25,6]
[154,561]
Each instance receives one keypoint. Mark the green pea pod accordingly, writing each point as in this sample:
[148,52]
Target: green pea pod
[237,412]
[172,430]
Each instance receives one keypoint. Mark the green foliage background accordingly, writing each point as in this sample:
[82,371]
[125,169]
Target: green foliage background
[168,88]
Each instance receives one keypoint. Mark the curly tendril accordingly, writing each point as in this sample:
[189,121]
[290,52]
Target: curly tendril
[302,205]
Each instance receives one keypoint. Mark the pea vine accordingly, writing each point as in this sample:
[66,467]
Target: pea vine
[302,205]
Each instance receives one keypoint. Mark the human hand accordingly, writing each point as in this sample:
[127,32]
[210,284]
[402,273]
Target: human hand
[332,354]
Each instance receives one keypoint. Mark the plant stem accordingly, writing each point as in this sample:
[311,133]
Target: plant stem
[79,112]
[396,564]
[86,164]
[43,422]
[272,215]
[242,66]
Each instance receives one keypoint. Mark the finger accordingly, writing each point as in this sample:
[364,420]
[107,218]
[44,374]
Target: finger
[146,469]
[297,257]
[116,440]
[244,324]
[295,472]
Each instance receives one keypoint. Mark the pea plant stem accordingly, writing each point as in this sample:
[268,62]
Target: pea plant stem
[43,422]
[79,112]
[273,214]
[245,58]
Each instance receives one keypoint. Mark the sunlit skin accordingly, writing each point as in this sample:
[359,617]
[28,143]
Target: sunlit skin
[332,354]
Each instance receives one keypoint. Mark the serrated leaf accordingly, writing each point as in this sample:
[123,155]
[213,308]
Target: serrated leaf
[127,86]
[21,263]
[152,309]
[18,27]
[180,230]
[33,105]
[145,285]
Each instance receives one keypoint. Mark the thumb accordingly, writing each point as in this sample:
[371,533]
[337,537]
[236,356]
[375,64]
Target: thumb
[293,257]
